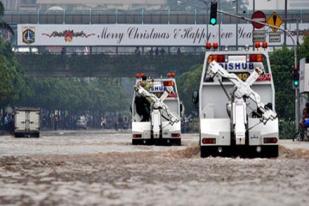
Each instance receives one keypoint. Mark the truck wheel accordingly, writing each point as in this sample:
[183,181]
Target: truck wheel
[273,151]
[177,142]
[270,151]
[204,152]
[135,142]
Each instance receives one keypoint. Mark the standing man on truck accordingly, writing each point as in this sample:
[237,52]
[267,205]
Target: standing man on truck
[142,105]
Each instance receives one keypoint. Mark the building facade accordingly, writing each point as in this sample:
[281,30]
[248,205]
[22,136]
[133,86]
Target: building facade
[279,4]
[103,4]
[19,4]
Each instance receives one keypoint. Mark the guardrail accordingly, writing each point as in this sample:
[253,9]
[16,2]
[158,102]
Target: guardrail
[130,17]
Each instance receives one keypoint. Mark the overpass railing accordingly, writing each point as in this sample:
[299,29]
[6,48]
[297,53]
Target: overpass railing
[92,16]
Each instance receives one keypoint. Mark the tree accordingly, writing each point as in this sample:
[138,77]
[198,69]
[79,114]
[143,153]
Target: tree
[3,24]
[12,84]
[282,62]
[188,83]
[304,48]
[76,95]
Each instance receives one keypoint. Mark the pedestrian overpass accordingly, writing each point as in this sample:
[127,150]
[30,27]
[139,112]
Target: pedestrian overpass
[91,45]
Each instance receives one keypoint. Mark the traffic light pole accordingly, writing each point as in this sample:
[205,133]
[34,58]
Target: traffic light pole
[286,31]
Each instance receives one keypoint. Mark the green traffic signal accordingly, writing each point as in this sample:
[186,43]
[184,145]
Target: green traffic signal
[295,78]
[213,21]
[213,12]
[296,83]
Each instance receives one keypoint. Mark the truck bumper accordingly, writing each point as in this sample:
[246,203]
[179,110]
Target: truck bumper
[262,151]
[26,133]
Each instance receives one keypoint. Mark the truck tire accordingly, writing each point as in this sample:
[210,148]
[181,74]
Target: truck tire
[17,135]
[176,142]
[204,152]
[136,142]
[269,151]
[272,151]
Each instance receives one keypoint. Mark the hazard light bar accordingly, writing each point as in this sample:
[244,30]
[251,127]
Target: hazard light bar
[210,45]
[171,75]
[261,44]
[139,75]
[217,58]
[256,58]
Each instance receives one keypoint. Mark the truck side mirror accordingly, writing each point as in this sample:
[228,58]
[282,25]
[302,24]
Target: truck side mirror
[131,109]
[195,97]
[182,109]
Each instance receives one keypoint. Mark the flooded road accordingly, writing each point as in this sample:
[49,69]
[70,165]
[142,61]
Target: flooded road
[96,168]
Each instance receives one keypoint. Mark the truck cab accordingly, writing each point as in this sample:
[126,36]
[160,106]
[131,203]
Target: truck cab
[233,124]
[161,124]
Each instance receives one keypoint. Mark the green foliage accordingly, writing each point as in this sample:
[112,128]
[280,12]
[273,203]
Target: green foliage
[3,24]
[304,48]
[75,94]
[1,9]
[12,84]
[188,83]
[282,62]
[113,65]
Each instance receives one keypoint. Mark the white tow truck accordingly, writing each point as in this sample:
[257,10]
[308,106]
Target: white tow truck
[156,112]
[237,105]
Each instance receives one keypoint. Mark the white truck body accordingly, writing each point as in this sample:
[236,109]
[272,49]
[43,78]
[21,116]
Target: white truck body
[158,129]
[27,122]
[219,132]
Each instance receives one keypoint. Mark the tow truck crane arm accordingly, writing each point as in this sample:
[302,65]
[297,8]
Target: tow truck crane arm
[157,103]
[243,89]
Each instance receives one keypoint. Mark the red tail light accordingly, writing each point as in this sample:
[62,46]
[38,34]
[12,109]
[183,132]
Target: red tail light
[270,140]
[209,140]
[217,58]
[256,58]
[175,135]
[137,135]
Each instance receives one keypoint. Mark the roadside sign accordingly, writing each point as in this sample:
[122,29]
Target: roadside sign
[274,37]
[274,20]
[259,35]
[258,16]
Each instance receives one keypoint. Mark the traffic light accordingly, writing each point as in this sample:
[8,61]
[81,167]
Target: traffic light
[295,78]
[213,12]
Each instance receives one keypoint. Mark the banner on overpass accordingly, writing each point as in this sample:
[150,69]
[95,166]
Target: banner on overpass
[137,34]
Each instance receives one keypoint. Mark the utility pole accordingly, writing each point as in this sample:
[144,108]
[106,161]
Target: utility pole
[237,26]
[286,17]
